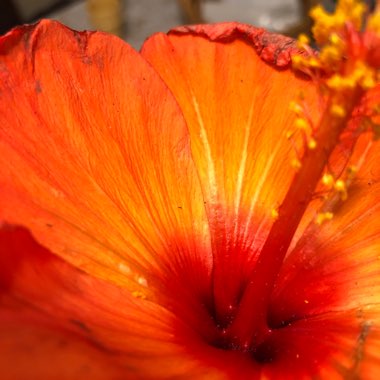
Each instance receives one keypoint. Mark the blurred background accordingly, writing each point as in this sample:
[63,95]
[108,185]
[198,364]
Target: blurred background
[135,20]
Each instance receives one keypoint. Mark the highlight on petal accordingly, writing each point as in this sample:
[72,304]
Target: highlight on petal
[237,109]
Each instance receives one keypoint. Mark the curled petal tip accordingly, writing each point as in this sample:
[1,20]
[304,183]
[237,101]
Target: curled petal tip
[274,49]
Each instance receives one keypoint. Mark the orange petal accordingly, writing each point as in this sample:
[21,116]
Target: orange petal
[37,352]
[55,315]
[336,266]
[237,109]
[332,346]
[96,158]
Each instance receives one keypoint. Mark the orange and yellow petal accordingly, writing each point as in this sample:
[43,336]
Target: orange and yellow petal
[208,82]
[96,158]
[232,85]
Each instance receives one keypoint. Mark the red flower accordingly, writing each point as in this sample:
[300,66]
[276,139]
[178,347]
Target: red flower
[139,192]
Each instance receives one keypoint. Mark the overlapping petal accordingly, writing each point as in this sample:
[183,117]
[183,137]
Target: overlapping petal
[237,108]
[58,321]
[334,268]
[96,159]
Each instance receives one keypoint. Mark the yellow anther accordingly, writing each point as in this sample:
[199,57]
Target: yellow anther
[306,301]
[330,54]
[274,213]
[323,217]
[340,185]
[351,10]
[311,144]
[341,188]
[335,39]
[314,62]
[328,180]
[328,27]
[339,83]
[302,40]
[295,107]
[296,164]
[297,61]
[368,82]
[337,110]
[301,123]
[374,23]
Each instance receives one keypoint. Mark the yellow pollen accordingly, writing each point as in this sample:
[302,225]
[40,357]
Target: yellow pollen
[374,23]
[339,83]
[296,164]
[274,213]
[330,54]
[327,24]
[341,188]
[312,144]
[297,61]
[301,123]
[295,107]
[340,185]
[335,39]
[368,82]
[323,217]
[313,62]
[328,180]
[302,41]
[337,110]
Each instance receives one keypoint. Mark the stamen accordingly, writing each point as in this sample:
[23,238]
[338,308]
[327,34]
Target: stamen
[337,110]
[328,180]
[312,144]
[323,217]
[341,188]
[301,123]
[343,85]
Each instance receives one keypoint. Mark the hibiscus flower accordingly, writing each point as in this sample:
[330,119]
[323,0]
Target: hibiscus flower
[197,210]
